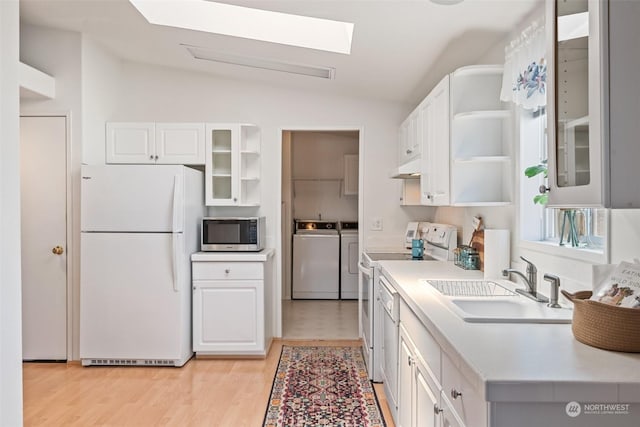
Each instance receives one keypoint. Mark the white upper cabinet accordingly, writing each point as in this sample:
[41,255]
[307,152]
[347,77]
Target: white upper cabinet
[481,138]
[155,143]
[465,138]
[434,135]
[350,182]
[593,103]
[131,143]
[409,139]
[181,143]
[232,165]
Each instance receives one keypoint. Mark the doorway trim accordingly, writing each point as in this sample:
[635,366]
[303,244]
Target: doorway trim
[70,249]
[278,234]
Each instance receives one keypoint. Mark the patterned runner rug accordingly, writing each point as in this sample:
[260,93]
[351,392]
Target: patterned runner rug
[322,386]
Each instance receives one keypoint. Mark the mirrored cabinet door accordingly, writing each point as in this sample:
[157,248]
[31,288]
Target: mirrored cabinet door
[572,93]
[593,106]
[575,51]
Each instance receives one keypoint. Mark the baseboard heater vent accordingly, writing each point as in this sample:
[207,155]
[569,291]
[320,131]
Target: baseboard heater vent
[128,362]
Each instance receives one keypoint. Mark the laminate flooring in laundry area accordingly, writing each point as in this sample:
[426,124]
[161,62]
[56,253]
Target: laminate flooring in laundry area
[320,319]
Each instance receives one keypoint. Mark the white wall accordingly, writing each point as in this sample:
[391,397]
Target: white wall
[318,171]
[86,89]
[10,294]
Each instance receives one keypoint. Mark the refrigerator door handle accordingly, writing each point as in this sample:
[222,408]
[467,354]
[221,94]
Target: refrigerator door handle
[175,228]
[175,208]
[174,260]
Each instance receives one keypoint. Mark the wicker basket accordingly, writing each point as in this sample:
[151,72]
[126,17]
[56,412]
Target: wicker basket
[604,326]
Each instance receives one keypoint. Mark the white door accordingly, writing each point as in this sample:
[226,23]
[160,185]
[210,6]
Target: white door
[134,198]
[44,230]
[129,307]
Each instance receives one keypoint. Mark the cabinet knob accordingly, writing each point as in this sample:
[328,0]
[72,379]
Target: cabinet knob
[235,199]
[409,360]
[409,151]
[151,157]
[227,270]
[436,409]
[455,393]
[58,250]
[543,189]
[156,157]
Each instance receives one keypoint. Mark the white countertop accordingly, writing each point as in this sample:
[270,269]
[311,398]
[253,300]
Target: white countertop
[516,362]
[263,255]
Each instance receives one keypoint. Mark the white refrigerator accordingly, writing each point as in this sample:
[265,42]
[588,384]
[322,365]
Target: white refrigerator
[140,225]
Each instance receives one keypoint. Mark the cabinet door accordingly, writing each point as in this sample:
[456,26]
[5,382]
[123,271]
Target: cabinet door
[434,179]
[408,142]
[449,417]
[351,174]
[426,396]
[228,316]
[130,143]
[180,143]
[463,398]
[221,165]
[405,380]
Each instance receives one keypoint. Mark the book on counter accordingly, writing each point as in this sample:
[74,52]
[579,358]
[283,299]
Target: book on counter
[621,288]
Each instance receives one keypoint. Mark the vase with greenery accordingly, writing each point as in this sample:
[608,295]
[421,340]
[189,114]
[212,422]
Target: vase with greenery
[569,215]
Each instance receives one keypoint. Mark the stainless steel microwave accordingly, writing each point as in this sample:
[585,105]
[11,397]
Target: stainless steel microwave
[232,234]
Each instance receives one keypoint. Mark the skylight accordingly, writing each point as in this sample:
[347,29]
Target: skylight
[245,22]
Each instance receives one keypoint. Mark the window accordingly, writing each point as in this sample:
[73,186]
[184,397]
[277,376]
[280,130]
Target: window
[587,227]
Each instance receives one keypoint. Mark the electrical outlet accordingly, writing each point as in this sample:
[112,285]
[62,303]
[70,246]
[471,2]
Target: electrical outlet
[376,224]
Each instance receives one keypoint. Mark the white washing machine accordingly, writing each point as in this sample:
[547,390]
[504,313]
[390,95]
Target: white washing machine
[349,259]
[316,260]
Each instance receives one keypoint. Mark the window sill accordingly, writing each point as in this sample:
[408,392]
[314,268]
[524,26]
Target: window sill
[592,256]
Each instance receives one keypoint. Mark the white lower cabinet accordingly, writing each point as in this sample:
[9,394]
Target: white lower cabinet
[466,403]
[419,391]
[232,312]
[432,390]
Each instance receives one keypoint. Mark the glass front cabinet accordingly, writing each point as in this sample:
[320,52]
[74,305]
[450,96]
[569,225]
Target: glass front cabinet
[593,103]
[232,165]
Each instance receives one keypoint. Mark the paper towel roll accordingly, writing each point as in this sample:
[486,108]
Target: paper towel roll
[497,253]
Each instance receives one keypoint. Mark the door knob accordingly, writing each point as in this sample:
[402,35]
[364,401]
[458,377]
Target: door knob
[58,250]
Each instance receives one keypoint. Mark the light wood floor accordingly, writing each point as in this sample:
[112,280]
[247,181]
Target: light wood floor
[320,319]
[216,393]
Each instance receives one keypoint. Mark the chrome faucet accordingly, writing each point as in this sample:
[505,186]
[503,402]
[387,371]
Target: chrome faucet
[531,280]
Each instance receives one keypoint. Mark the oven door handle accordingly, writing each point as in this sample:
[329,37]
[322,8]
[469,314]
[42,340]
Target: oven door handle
[365,270]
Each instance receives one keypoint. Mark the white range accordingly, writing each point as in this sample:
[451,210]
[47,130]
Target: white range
[439,242]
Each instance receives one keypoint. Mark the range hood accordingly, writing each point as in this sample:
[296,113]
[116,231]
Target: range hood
[409,170]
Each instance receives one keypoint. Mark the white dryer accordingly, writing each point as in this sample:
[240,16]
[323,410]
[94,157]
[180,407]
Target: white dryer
[349,259]
[316,260]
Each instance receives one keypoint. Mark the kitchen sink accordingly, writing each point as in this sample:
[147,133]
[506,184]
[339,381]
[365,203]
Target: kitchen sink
[492,302]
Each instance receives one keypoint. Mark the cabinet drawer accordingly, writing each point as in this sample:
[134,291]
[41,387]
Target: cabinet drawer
[215,270]
[466,401]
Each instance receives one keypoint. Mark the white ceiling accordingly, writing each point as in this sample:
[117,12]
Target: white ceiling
[401,48]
